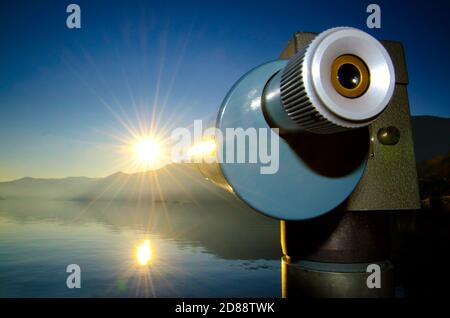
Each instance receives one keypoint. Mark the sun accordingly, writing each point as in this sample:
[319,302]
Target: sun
[147,153]
[147,150]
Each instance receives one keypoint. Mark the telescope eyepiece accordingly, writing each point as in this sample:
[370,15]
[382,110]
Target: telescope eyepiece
[342,80]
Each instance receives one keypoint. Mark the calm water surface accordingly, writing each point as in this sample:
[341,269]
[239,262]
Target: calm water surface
[207,250]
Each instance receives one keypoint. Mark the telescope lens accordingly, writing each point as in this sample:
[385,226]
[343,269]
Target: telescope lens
[349,76]
[343,79]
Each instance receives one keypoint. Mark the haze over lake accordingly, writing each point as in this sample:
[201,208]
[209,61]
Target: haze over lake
[198,250]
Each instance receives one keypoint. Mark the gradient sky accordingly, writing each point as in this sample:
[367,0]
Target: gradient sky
[64,93]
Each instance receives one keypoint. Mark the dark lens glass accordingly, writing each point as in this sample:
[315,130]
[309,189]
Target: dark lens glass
[349,76]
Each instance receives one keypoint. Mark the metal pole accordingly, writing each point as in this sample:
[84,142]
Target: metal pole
[328,256]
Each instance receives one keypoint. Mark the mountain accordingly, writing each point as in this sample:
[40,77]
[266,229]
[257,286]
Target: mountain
[431,136]
[174,183]
[436,167]
[432,147]
[434,181]
[184,183]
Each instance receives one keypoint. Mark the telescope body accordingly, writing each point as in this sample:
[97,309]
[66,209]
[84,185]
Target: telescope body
[359,157]
[338,103]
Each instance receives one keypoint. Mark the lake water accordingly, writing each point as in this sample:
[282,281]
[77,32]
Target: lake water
[213,249]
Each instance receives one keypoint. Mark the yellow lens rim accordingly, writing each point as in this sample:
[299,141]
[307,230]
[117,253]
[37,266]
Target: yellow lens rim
[363,84]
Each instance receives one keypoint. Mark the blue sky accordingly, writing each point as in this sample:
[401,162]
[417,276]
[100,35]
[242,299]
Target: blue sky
[64,93]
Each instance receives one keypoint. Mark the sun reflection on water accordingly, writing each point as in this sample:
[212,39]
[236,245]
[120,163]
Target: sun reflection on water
[144,253]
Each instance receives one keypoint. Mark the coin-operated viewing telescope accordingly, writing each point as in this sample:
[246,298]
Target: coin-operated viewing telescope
[339,107]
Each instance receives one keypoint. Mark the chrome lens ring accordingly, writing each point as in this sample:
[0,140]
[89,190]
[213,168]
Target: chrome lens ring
[319,58]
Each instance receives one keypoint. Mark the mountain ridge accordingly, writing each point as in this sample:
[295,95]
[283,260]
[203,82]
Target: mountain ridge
[172,183]
[183,182]
[431,136]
